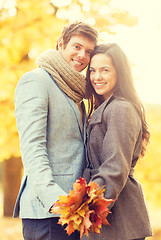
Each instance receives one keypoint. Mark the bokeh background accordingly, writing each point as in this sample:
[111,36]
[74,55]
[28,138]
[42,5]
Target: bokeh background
[28,28]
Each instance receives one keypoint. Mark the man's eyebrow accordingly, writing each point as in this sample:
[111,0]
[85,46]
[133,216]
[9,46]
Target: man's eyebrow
[89,49]
[77,43]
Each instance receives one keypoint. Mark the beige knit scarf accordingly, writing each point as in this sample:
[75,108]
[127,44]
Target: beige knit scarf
[69,80]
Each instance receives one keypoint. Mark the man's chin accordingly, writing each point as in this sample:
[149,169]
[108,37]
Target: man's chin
[78,69]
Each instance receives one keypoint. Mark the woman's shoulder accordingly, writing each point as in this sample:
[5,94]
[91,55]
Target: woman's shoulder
[119,104]
[120,107]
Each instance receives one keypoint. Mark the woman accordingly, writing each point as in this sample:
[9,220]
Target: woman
[117,135]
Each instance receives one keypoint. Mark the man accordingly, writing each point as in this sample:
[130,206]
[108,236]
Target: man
[51,119]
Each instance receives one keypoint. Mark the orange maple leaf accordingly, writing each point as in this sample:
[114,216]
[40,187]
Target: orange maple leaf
[70,229]
[83,209]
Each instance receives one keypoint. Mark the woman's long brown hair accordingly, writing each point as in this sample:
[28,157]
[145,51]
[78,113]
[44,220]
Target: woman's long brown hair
[124,88]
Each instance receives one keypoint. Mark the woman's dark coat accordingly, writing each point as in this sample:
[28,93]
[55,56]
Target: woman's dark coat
[114,141]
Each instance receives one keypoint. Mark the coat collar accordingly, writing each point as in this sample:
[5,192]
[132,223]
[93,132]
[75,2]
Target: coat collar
[97,115]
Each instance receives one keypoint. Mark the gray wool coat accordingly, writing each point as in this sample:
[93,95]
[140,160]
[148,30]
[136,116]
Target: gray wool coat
[52,143]
[114,140]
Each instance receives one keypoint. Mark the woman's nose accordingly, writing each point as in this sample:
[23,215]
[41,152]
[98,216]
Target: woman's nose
[97,75]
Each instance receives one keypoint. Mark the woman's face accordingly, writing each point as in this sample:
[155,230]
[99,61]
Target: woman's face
[103,75]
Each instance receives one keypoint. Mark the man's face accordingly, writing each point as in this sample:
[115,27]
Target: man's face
[77,51]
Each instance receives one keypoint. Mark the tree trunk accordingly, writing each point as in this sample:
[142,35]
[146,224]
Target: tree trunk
[11,178]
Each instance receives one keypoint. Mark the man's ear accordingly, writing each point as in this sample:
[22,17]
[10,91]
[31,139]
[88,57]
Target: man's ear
[60,44]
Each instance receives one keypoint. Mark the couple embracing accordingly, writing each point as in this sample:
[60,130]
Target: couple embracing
[57,148]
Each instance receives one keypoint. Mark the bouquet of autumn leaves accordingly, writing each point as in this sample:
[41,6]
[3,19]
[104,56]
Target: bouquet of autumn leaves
[83,209]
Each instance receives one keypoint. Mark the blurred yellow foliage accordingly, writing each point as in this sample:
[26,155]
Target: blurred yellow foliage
[148,169]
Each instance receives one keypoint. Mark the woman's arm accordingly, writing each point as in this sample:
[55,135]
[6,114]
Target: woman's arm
[123,128]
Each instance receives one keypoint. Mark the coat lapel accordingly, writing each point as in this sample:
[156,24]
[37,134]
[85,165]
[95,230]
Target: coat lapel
[98,114]
[78,115]
[75,109]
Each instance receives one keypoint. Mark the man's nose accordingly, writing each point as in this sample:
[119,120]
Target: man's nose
[82,53]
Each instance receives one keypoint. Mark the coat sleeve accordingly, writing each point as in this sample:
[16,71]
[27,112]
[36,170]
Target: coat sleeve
[31,111]
[123,126]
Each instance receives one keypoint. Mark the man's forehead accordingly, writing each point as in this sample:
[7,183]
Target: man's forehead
[82,40]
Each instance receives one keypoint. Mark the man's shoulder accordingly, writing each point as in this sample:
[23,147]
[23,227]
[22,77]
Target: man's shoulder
[38,77]
[37,72]
[34,82]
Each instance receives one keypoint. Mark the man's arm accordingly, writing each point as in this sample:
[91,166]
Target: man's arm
[31,111]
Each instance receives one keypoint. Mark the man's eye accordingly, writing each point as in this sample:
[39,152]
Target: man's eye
[76,47]
[89,53]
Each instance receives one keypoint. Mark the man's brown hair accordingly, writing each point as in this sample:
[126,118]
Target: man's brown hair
[77,28]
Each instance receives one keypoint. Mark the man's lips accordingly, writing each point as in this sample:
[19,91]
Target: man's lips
[77,62]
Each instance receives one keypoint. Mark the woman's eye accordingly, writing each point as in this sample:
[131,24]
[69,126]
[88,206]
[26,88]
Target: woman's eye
[105,70]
